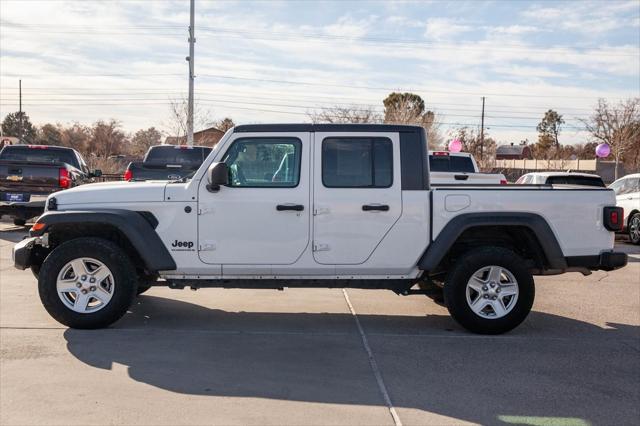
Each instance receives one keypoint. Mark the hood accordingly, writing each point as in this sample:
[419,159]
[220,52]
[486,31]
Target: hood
[112,192]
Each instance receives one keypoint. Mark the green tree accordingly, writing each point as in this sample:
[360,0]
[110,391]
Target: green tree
[49,134]
[549,128]
[142,140]
[12,125]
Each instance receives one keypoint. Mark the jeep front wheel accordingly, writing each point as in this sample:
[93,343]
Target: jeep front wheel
[489,291]
[87,283]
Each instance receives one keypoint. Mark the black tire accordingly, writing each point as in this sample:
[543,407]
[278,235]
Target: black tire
[124,275]
[634,228]
[455,290]
[19,222]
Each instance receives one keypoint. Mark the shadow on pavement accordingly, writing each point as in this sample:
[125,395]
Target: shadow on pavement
[587,376]
[14,233]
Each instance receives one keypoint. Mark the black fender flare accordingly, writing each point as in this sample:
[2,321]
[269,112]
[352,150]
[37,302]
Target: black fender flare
[137,227]
[436,251]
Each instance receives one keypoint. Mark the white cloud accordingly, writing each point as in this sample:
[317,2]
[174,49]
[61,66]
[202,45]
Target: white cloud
[444,28]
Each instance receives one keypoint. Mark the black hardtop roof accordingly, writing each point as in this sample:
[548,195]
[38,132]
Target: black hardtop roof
[309,127]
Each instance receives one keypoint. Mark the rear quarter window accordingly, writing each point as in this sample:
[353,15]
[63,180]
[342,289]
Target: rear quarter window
[171,154]
[576,180]
[39,154]
[450,163]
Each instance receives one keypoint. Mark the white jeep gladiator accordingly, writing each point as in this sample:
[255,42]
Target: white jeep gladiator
[317,205]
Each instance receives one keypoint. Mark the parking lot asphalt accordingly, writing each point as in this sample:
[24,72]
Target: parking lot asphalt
[298,357]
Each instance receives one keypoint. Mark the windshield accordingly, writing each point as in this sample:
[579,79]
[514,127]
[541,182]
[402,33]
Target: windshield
[170,154]
[39,154]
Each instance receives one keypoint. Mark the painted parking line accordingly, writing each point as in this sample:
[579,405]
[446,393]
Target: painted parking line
[373,363]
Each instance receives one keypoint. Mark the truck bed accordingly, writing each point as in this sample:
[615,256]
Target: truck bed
[573,213]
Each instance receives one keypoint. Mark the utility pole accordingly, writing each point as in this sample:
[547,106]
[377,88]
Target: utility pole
[482,131]
[20,111]
[190,58]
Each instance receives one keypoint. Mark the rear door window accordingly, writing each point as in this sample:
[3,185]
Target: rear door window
[357,162]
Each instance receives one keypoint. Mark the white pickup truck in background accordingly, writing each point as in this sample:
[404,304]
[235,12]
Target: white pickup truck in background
[459,168]
[317,205]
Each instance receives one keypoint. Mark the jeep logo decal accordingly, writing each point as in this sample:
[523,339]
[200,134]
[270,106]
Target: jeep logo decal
[182,245]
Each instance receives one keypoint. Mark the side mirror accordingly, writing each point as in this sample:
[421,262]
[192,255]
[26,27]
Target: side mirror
[96,173]
[218,175]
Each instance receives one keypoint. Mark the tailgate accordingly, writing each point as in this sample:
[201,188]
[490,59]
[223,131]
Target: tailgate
[29,177]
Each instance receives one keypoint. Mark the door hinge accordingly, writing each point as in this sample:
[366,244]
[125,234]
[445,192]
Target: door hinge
[207,246]
[320,210]
[320,247]
[205,210]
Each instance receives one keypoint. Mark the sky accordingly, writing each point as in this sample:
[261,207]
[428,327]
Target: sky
[276,61]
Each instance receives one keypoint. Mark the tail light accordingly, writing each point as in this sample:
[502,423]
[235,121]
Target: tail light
[128,175]
[503,182]
[64,180]
[613,218]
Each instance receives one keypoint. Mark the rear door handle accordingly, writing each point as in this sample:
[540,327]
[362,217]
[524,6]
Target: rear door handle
[375,208]
[461,177]
[292,207]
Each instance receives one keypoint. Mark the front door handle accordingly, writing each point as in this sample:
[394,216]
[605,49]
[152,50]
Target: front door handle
[292,207]
[461,177]
[375,208]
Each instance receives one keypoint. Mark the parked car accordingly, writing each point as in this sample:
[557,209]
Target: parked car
[29,173]
[561,178]
[167,162]
[316,205]
[627,191]
[459,168]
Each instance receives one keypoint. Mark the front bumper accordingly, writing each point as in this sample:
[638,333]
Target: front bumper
[22,253]
[605,261]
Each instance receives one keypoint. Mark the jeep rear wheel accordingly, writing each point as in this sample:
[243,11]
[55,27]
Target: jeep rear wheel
[489,291]
[87,283]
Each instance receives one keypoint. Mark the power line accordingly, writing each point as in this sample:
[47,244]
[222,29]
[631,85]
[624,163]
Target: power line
[314,36]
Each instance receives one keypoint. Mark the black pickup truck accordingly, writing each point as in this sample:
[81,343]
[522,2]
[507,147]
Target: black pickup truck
[29,173]
[167,162]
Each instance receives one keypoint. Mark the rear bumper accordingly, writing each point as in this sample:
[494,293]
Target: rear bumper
[22,253]
[605,261]
[29,209]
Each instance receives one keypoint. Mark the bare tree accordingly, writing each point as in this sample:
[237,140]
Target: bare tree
[224,124]
[345,114]
[142,140]
[472,144]
[616,125]
[409,108]
[107,138]
[178,112]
